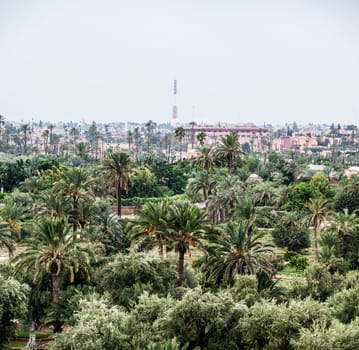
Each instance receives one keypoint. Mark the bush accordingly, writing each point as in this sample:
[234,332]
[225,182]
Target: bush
[268,325]
[317,283]
[295,260]
[345,304]
[204,321]
[290,233]
[13,306]
[320,337]
[138,201]
[126,278]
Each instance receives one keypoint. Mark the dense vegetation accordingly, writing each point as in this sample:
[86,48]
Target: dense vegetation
[203,263]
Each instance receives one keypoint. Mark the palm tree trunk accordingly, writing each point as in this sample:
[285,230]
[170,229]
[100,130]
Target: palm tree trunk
[316,241]
[118,195]
[181,253]
[55,279]
[31,344]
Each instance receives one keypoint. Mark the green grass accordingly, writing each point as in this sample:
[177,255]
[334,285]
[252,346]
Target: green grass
[14,346]
[290,271]
[39,335]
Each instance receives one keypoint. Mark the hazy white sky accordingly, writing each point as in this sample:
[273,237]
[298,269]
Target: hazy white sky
[235,60]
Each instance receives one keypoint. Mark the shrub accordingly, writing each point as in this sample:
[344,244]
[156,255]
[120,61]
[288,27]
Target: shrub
[345,304]
[320,337]
[290,233]
[317,283]
[272,326]
[204,321]
[126,278]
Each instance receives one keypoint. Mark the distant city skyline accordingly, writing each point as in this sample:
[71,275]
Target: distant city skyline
[236,61]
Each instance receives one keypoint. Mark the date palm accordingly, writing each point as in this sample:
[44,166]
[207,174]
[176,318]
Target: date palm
[205,158]
[201,137]
[345,224]
[235,249]
[150,226]
[118,167]
[318,209]
[229,150]
[53,253]
[201,182]
[6,239]
[180,134]
[75,184]
[187,226]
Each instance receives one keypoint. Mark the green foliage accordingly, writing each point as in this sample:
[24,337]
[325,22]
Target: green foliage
[321,183]
[290,233]
[300,195]
[205,320]
[168,345]
[320,337]
[345,304]
[128,276]
[142,201]
[300,262]
[98,326]
[272,326]
[348,195]
[13,306]
[317,283]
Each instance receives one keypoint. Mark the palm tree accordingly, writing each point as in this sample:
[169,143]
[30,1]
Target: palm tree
[150,226]
[118,168]
[6,238]
[229,150]
[318,210]
[187,225]
[52,205]
[2,123]
[264,193]
[201,137]
[75,184]
[180,134]
[235,250]
[345,225]
[25,130]
[137,139]
[202,181]
[53,253]
[205,158]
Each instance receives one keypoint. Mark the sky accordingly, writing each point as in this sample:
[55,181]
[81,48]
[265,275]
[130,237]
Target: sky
[236,61]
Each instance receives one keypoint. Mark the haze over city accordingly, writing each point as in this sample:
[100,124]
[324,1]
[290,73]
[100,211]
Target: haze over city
[235,61]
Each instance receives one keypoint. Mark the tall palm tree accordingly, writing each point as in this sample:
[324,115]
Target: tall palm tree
[2,123]
[180,134]
[75,184]
[202,181]
[235,249]
[137,139]
[205,158]
[345,225]
[25,130]
[264,193]
[201,137]
[52,252]
[118,167]
[187,225]
[318,209]
[6,238]
[150,226]
[229,150]
[51,205]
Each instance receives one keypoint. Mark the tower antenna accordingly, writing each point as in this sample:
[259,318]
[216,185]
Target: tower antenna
[174,108]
